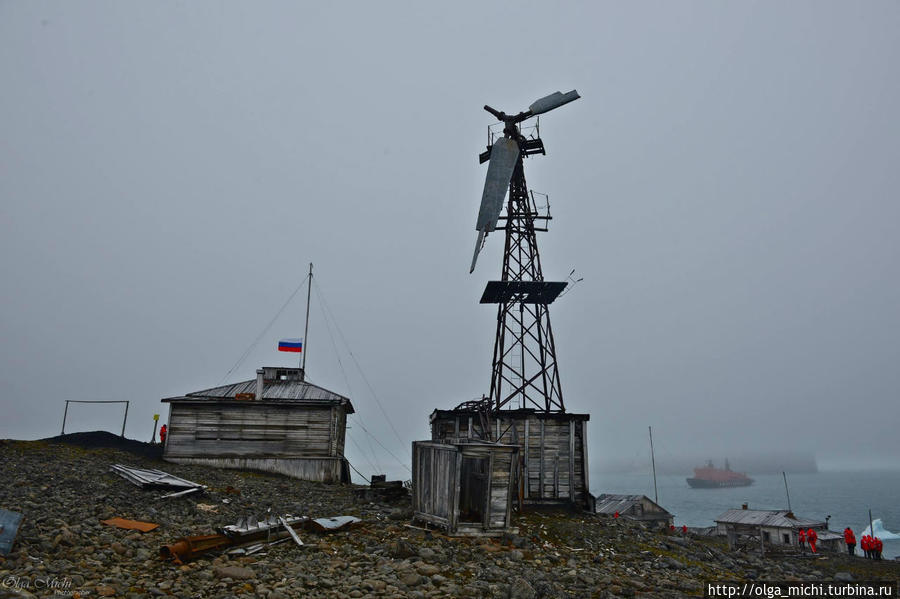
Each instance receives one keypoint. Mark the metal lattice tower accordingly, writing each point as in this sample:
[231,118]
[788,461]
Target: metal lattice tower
[525,370]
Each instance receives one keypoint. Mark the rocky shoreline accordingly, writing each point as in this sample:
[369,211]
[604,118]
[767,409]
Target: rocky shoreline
[62,548]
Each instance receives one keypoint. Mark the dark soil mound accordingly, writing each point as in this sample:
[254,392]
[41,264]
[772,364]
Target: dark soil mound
[97,439]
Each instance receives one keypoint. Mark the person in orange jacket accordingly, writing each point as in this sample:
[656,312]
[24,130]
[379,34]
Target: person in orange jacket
[162,434]
[812,537]
[878,546]
[866,545]
[801,539]
[850,540]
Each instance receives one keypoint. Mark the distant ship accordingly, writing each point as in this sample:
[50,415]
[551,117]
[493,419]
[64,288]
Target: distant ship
[710,477]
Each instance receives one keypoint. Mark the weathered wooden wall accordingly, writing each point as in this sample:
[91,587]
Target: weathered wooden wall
[437,485]
[233,429]
[553,449]
[435,478]
[326,470]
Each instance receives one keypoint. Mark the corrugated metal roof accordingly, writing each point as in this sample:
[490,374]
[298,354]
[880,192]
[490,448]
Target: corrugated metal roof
[272,390]
[609,503]
[776,518]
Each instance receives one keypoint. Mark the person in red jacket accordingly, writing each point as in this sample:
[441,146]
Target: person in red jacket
[850,540]
[878,545]
[866,546]
[162,434]
[812,537]
[801,539]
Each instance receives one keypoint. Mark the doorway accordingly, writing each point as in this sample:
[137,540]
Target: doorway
[474,485]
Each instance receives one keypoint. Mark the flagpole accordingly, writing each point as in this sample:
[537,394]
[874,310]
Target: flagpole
[305,346]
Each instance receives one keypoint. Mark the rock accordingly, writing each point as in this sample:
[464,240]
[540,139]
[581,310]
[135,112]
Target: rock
[521,589]
[411,579]
[106,591]
[400,514]
[426,553]
[401,549]
[235,572]
[427,570]
[374,584]
[843,576]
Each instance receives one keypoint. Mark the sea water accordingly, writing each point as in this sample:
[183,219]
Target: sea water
[845,496]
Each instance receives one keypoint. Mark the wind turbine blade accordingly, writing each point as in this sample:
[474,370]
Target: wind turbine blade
[478,245]
[554,100]
[504,154]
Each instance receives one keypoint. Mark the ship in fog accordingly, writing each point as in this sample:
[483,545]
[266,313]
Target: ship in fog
[710,477]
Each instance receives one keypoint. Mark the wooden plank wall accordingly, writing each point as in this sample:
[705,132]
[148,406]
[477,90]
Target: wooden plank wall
[262,430]
[435,481]
[552,449]
[326,470]
[501,464]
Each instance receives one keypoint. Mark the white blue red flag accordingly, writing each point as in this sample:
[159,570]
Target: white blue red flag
[291,345]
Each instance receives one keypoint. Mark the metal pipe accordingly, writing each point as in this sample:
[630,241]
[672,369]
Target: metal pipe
[306,328]
[127,403]
[653,462]
[65,412]
[786,492]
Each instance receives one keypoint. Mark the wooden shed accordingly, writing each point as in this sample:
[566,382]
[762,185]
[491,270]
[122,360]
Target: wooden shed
[465,488]
[277,423]
[634,507]
[553,449]
[777,527]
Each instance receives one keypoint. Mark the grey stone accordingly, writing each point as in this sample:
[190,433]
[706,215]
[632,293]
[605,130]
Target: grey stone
[521,589]
[235,572]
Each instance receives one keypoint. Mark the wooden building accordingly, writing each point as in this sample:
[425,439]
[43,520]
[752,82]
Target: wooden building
[776,527]
[277,423]
[634,507]
[552,448]
[466,488]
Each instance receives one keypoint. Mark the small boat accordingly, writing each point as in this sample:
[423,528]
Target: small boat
[710,477]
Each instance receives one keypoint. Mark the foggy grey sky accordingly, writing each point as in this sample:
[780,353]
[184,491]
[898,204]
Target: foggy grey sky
[727,186]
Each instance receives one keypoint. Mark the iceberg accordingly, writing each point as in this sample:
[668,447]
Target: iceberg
[880,531]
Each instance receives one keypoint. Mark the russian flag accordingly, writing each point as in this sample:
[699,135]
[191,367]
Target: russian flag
[291,345]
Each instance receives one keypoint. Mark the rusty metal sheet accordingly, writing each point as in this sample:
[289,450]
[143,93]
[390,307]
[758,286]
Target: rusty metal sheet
[130,524]
[187,548]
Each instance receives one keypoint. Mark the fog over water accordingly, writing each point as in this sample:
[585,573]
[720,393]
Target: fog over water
[727,187]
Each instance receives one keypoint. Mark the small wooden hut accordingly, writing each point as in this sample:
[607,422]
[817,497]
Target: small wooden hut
[778,527]
[277,423]
[553,449]
[634,507]
[466,488]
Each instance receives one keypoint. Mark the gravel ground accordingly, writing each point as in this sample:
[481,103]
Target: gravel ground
[64,490]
